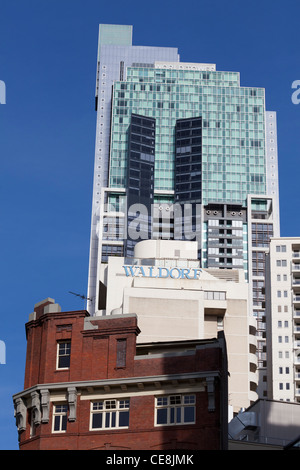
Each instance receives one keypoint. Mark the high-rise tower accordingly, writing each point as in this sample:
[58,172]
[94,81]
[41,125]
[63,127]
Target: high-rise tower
[116,55]
[197,153]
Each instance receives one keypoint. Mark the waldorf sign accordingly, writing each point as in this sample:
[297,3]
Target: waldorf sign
[159,272]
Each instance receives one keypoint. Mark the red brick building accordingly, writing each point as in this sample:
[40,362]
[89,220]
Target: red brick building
[89,385]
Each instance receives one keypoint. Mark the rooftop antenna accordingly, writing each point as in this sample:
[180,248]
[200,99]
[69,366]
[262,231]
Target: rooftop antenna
[83,297]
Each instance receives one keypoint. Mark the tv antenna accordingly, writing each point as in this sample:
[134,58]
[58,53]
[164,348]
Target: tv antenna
[83,297]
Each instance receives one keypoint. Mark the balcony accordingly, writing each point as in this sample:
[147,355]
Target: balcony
[261,326]
[296,282]
[297,376]
[297,359]
[260,215]
[215,307]
[297,329]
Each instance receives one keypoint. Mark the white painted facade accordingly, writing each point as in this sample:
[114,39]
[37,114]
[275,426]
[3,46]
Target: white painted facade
[283,319]
[176,300]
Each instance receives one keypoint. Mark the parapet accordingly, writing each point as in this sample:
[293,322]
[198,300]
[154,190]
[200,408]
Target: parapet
[47,305]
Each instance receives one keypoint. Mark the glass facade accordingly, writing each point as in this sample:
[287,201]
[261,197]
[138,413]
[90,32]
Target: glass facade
[115,54]
[233,128]
[171,133]
[140,180]
[188,160]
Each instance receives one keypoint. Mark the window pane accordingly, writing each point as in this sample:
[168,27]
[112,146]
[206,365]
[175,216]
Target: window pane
[64,423]
[64,361]
[124,418]
[98,405]
[56,423]
[124,403]
[110,404]
[189,399]
[162,401]
[162,416]
[64,348]
[97,420]
[175,399]
[178,415]
[189,414]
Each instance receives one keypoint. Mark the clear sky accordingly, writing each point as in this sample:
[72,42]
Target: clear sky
[48,51]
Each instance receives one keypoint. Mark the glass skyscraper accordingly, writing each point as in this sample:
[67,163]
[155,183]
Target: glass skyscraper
[170,134]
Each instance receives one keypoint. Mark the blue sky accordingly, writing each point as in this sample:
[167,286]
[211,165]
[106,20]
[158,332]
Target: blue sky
[48,51]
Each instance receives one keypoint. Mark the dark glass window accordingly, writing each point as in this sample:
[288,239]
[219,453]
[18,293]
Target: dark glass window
[64,354]
[188,178]
[140,175]
[110,414]
[60,418]
[175,409]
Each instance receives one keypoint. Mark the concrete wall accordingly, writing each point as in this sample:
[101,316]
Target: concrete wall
[171,309]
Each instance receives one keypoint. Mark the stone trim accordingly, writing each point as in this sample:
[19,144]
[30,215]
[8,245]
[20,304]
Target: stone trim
[20,413]
[36,408]
[45,405]
[38,397]
[72,402]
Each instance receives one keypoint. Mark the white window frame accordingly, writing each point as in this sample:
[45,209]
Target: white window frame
[214,295]
[60,411]
[111,411]
[175,406]
[58,355]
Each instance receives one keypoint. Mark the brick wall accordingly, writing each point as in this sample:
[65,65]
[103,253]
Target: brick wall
[93,361]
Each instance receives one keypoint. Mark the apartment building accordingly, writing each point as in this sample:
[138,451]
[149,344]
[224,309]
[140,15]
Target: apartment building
[186,152]
[185,142]
[283,318]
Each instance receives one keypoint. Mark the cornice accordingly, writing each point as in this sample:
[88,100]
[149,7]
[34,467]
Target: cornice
[79,385]
[38,397]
